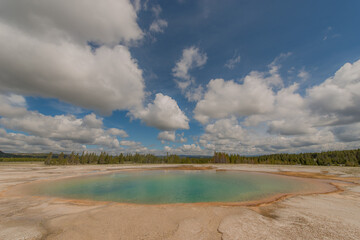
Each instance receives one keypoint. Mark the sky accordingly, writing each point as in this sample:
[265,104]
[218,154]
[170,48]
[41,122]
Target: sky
[182,77]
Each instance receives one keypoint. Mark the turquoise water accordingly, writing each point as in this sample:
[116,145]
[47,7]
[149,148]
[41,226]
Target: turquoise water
[172,186]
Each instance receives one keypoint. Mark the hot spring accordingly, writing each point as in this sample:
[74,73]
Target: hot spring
[174,186]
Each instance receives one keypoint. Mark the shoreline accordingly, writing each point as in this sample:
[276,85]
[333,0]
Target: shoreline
[30,217]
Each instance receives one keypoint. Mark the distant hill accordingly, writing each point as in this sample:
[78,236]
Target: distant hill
[22,155]
[6,155]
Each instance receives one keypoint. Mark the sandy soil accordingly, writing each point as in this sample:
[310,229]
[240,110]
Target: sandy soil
[311,216]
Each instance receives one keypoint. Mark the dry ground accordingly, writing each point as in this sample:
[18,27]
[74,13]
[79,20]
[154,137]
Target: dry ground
[316,216]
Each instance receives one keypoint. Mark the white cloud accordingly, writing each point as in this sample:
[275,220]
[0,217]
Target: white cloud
[287,100]
[293,123]
[73,20]
[230,64]
[183,84]
[19,143]
[194,94]
[227,98]
[230,136]
[58,129]
[191,58]
[163,113]
[303,74]
[134,147]
[225,135]
[254,96]
[47,55]
[158,25]
[338,98]
[137,5]
[91,121]
[167,136]
[117,132]
[181,138]
[12,105]
[106,80]
[285,127]
[129,143]
[186,149]
[226,129]
[88,130]
[191,148]
[170,136]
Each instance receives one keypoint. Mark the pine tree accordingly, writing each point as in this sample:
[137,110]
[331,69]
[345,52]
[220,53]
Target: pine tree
[61,159]
[48,160]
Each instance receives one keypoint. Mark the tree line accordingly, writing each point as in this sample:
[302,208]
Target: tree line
[105,158]
[337,158]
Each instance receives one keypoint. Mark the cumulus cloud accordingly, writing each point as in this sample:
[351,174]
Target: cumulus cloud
[164,114]
[181,138]
[106,80]
[47,52]
[194,94]
[19,143]
[134,147]
[60,133]
[190,148]
[137,5]
[58,130]
[167,136]
[284,127]
[226,129]
[74,20]
[290,115]
[12,105]
[129,143]
[57,49]
[191,58]
[338,98]
[225,135]
[87,130]
[117,132]
[254,95]
[170,136]
[226,98]
[186,149]
[325,118]
[229,135]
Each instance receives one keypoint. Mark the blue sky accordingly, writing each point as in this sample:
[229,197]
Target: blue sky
[185,77]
